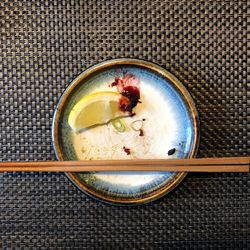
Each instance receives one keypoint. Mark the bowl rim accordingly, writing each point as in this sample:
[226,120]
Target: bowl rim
[181,89]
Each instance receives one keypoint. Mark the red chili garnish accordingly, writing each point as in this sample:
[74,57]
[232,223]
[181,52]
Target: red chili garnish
[141,132]
[128,86]
[114,84]
[126,150]
[133,94]
[124,103]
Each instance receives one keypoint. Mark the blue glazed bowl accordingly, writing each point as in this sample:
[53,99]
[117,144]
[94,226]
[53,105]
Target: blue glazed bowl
[170,122]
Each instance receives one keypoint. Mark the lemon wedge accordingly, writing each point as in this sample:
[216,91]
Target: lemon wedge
[95,109]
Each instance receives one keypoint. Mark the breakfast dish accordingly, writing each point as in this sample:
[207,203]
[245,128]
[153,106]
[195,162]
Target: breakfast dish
[125,109]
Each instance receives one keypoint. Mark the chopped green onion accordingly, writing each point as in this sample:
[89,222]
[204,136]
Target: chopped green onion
[118,125]
[137,125]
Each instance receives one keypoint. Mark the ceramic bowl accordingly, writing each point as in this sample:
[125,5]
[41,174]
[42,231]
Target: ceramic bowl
[170,127]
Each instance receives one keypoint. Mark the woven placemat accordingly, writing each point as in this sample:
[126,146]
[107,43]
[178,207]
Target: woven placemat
[46,44]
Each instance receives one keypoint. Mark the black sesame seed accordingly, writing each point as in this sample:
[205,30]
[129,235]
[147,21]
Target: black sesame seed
[171,151]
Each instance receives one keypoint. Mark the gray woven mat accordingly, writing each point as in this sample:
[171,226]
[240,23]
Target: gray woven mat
[45,44]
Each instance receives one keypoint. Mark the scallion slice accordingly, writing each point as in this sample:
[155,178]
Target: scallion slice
[118,125]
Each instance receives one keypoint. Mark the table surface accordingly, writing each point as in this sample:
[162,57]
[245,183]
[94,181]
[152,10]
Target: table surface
[46,44]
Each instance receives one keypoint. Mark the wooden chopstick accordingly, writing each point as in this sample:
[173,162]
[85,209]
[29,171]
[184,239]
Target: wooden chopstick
[229,164]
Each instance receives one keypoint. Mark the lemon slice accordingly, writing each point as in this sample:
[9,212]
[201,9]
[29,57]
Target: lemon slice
[95,109]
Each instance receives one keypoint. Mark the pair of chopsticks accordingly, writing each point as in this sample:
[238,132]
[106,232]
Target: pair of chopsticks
[229,164]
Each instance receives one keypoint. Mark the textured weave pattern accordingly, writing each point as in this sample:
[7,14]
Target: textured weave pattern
[46,44]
